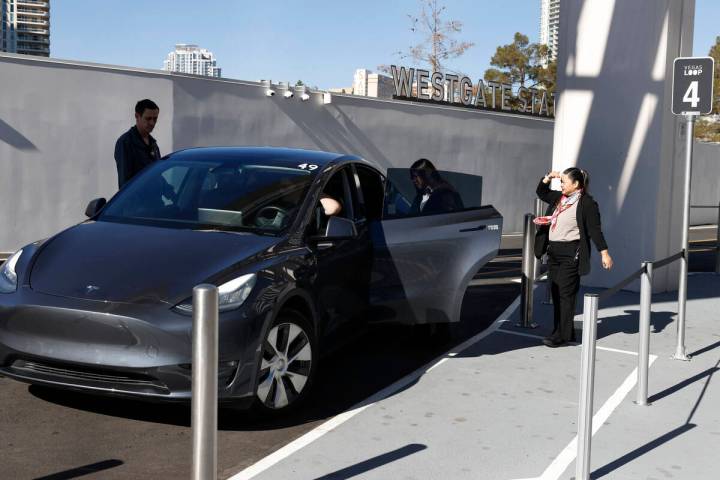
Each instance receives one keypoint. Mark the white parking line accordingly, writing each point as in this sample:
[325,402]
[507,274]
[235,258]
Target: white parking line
[319,431]
[552,472]
[568,454]
[539,337]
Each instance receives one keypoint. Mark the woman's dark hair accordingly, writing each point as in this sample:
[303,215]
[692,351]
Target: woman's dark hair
[579,175]
[426,170]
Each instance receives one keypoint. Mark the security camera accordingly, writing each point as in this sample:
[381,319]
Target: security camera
[288,94]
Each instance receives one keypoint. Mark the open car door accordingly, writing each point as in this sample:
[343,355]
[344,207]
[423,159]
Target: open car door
[426,250]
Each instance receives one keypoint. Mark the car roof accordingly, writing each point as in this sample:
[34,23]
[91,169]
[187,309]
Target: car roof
[266,155]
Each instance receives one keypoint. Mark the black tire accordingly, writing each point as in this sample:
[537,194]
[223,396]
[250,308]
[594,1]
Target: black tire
[287,365]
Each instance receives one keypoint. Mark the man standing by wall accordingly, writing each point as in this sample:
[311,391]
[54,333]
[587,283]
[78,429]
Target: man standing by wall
[136,148]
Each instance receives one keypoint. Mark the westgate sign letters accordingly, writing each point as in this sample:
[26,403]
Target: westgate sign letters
[422,85]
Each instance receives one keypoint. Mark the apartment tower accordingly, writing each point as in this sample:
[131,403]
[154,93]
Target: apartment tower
[550,26]
[192,59]
[25,27]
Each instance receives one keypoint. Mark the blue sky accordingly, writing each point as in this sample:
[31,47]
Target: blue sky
[321,42]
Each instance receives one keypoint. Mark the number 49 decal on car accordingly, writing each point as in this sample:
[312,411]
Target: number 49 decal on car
[306,166]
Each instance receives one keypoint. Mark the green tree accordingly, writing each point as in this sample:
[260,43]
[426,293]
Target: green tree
[715,53]
[705,130]
[547,76]
[520,64]
[437,45]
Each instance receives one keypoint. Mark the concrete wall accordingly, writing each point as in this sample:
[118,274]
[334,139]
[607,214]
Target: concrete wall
[59,122]
[705,183]
[613,118]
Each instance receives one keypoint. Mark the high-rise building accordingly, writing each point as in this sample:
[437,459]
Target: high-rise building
[360,80]
[25,27]
[549,27]
[192,59]
[370,84]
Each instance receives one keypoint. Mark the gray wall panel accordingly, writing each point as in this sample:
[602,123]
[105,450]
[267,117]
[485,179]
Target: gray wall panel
[58,126]
[59,122]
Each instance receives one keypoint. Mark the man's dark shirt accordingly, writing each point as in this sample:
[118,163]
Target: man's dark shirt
[132,154]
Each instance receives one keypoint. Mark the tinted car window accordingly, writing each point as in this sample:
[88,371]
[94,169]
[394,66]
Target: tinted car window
[212,195]
[450,192]
[371,185]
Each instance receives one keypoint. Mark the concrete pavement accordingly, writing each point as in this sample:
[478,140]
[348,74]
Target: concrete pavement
[503,406]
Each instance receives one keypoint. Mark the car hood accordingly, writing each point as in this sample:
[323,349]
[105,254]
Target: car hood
[137,264]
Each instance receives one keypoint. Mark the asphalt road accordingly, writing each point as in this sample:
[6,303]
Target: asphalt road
[51,434]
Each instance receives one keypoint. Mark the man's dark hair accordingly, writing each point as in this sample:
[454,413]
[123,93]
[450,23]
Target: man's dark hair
[145,104]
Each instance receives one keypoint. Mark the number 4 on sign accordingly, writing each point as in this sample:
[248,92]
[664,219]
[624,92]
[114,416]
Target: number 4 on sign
[691,95]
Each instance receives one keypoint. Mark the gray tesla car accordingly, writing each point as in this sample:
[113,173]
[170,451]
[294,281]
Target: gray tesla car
[105,306]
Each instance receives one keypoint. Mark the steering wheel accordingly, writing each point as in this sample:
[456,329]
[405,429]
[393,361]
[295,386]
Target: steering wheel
[262,219]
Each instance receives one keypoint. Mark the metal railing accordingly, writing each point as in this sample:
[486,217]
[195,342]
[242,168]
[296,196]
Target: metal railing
[527,280]
[717,238]
[531,269]
[587,381]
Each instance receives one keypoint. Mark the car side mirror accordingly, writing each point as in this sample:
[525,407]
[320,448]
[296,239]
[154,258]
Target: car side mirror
[94,207]
[339,228]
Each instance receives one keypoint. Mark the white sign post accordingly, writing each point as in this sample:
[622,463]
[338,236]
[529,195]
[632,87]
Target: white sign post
[692,96]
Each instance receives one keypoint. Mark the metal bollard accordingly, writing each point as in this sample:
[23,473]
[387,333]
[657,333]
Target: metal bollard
[644,348]
[587,387]
[539,211]
[717,245]
[204,382]
[527,281]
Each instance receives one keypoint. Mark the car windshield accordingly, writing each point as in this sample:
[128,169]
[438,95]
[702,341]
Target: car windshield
[212,195]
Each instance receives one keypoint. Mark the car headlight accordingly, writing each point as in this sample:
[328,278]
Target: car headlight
[8,276]
[231,294]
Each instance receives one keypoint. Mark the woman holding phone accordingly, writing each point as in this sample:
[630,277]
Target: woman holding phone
[571,221]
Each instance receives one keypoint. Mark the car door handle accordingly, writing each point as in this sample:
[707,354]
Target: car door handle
[475,229]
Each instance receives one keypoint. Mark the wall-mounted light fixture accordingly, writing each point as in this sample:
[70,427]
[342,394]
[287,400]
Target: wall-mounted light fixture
[287,91]
[269,92]
[302,92]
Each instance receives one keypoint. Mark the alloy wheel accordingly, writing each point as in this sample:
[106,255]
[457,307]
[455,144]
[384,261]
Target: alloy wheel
[286,365]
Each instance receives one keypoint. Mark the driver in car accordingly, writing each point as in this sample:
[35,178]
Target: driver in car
[330,206]
[327,207]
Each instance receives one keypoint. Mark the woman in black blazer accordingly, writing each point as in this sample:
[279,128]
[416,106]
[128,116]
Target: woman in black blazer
[572,219]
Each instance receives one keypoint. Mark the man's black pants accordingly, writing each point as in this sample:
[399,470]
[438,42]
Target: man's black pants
[565,283]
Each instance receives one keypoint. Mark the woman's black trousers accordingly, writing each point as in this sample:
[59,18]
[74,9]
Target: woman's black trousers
[565,282]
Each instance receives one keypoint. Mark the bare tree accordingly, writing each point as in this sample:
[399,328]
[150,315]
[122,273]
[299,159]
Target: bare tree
[437,45]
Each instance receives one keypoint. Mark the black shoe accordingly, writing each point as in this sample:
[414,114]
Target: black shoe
[553,342]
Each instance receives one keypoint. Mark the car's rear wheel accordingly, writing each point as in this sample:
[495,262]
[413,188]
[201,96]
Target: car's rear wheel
[287,363]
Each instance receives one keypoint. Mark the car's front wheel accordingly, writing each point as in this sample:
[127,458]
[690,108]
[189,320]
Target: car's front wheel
[287,363]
